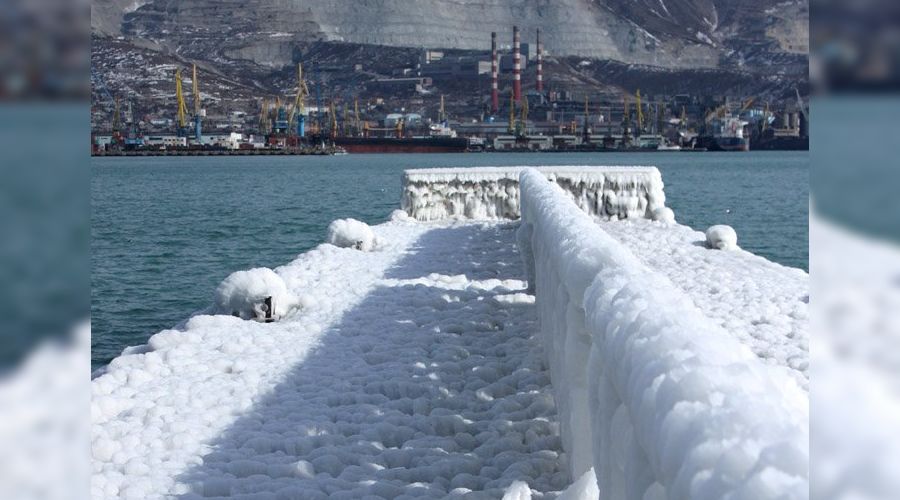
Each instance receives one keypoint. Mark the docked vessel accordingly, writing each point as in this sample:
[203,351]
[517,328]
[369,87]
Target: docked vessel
[402,145]
[727,135]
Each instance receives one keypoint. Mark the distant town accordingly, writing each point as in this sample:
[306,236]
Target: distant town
[501,100]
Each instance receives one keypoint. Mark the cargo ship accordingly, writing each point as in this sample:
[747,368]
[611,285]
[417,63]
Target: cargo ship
[728,135]
[403,145]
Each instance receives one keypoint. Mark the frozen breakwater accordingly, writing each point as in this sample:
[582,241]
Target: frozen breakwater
[490,193]
[586,347]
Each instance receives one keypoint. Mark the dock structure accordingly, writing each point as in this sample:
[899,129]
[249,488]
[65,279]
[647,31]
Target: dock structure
[511,330]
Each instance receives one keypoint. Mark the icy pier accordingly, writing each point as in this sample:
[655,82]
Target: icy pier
[523,339]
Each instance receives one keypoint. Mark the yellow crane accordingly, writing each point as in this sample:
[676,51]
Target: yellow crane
[765,121]
[683,119]
[298,109]
[181,114]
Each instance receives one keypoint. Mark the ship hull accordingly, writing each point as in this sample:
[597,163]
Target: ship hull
[394,145]
[724,143]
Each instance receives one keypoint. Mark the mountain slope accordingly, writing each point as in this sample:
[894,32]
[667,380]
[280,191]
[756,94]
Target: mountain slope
[665,33]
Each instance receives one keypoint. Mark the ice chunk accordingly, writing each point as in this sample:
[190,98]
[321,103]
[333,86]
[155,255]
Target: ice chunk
[721,237]
[351,233]
[664,214]
[518,490]
[399,216]
[243,294]
[585,488]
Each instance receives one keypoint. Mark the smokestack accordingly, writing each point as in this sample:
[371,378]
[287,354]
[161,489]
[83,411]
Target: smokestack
[517,66]
[540,63]
[495,96]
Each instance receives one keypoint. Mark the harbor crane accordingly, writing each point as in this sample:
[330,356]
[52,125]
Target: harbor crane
[195,89]
[334,124]
[117,120]
[181,113]
[298,110]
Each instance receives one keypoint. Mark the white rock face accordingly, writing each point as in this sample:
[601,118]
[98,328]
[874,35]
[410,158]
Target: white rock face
[492,193]
[662,401]
[721,237]
[351,233]
[242,294]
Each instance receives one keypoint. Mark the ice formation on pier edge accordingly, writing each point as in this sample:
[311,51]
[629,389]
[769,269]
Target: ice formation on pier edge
[481,193]
[660,400]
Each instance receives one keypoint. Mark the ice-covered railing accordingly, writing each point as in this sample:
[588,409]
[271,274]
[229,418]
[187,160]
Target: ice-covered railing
[493,192]
[658,399]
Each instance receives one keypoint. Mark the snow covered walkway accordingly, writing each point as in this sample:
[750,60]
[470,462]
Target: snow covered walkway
[429,384]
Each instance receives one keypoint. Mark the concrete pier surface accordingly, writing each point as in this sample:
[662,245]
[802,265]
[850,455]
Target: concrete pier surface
[549,347]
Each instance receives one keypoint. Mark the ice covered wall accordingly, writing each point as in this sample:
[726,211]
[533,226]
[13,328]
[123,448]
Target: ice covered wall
[652,394]
[493,192]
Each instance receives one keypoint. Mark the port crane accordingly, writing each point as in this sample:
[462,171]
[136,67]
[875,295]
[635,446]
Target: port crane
[195,88]
[117,120]
[181,113]
[298,109]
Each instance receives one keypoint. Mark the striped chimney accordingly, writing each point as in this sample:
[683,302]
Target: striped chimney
[517,66]
[495,96]
[540,63]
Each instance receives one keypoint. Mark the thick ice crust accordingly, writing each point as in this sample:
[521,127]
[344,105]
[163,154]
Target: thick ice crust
[658,398]
[493,192]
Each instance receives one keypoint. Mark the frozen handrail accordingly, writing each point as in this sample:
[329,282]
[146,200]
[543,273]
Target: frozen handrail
[493,192]
[652,394]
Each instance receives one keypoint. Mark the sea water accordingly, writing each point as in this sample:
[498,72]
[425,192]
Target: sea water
[166,230]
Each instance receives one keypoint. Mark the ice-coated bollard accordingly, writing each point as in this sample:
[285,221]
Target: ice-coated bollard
[351,233]
[721,237]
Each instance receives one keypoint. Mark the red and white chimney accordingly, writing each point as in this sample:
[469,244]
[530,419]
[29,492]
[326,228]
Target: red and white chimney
[495,70]
[517,66]
[540,63]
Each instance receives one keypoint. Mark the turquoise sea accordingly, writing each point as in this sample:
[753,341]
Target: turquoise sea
[166,230]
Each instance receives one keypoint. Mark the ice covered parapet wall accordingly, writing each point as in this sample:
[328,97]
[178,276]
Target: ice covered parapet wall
[652,394]
[493,192]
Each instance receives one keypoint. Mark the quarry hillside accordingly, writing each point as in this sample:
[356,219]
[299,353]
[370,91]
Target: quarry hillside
[668,33]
